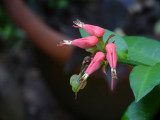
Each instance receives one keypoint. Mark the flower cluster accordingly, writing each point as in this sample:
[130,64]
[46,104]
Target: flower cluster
[98,57]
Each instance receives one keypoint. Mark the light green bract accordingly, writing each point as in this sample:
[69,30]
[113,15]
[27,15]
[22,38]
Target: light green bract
[75,83]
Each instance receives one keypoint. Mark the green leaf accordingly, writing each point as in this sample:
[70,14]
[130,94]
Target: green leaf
[83,33]
[121,46]
[145,109]
[143,50]
[143,79]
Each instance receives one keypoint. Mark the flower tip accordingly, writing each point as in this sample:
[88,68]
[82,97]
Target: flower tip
[64,43]
[75,26]
[78,23]
[84,78]
[112,83]
[114,74]
[104,71]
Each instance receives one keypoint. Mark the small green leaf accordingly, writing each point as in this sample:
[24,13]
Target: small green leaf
[73,78]
[75,82]
[143,50]
[143,79]
[145,109]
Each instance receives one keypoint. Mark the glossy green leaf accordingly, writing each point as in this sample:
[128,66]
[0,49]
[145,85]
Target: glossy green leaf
[83,33]
[121,46]
[143,50]
[143,79]
[145,109]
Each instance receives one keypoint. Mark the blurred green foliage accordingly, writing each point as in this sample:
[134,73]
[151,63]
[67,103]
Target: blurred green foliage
[51,4]
[58,3]
[13,37]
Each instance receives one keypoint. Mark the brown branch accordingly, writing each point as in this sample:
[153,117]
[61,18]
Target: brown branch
[37,31]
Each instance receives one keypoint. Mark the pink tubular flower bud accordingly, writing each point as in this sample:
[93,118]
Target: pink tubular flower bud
[90,29]
[84,43]
[112,59]
[111,55]
[93,66]
[95,63]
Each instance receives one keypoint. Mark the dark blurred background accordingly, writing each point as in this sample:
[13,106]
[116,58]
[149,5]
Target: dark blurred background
[34,73]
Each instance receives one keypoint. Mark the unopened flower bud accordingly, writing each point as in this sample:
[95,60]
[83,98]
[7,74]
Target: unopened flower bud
[90,29]
[112,59]
[93,66]
[84,43]
[95,63]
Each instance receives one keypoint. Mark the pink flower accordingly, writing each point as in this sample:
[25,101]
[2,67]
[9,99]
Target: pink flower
[93,66]
[84,43]
[95,63]
[112,59]
[90,29]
